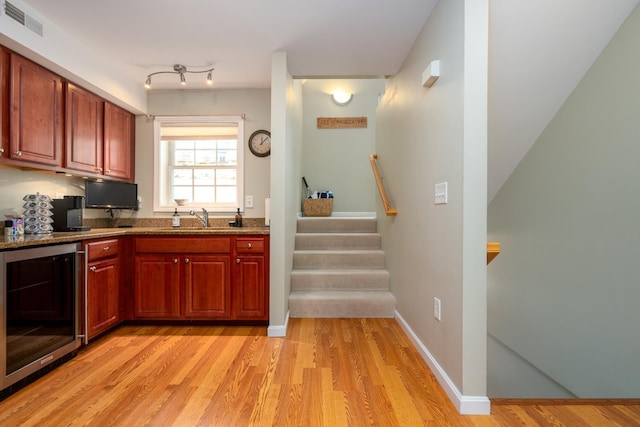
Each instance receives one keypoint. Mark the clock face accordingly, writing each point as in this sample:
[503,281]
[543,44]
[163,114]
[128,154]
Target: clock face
[260,143]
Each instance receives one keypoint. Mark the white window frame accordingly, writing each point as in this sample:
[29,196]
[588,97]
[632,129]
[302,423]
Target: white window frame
[159,179]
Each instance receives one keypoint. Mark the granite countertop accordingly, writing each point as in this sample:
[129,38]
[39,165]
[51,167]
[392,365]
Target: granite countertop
[13,242]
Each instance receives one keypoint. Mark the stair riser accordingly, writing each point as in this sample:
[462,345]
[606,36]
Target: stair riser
[336,225]
[305,260]
[344,308]
[313,241]
[312,281]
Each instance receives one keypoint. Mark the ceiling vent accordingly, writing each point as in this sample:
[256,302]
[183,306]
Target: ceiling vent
[18,15]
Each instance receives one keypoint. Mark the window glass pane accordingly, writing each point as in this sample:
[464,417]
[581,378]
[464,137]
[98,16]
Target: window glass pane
[205,157]
[183,157]
[226,195]
[225,177]
[181,193]
[228,157]
[204,195]
[204,177]
[182,177]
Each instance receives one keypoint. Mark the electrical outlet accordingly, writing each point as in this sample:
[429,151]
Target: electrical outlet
[248,201]
[437,309]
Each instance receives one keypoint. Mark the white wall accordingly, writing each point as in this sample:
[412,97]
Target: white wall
[426,136]
[564,293]
[338,159]
[254,103]
[286,136]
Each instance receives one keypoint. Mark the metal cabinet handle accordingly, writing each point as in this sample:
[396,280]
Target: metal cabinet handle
[17,153]
[237,260]
[249,245]
[108,170]
[93,268]
[186,260]
[1,150]
[175,260]
[106,248]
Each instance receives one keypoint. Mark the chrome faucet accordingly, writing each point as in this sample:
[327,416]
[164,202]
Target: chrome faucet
[204,218]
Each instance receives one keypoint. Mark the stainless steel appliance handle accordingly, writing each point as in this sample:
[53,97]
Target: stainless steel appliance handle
[85,298]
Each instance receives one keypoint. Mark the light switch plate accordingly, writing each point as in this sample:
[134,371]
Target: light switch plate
[441,194]
[248,201]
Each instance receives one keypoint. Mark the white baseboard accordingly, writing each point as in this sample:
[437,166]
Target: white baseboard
[466,405]
[275,331]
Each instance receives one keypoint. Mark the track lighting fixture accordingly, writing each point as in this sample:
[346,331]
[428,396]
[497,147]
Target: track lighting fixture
[181,70]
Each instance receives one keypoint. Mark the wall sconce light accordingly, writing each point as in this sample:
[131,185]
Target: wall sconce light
[431,74]
[181,70]
[341,98]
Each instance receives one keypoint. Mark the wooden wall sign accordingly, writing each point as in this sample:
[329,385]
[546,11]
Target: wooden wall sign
[342,122]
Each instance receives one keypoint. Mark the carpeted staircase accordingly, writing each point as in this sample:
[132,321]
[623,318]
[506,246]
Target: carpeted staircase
[338,270]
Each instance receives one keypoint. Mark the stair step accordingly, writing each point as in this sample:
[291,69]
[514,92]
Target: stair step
[340,279]
[335,304]
[337,225]
[338,259]
[311,241]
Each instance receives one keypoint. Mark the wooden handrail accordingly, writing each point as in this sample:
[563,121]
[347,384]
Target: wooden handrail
[493,249]
[383,194]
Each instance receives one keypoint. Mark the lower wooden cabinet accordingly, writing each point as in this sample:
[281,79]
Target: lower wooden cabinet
[250,278]
[175,286]
[102,286]
[176,278]
[193,278]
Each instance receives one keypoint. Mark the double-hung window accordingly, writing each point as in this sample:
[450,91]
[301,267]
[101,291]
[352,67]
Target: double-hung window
[199,159]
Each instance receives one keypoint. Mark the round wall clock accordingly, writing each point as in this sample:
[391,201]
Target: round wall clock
[260,143]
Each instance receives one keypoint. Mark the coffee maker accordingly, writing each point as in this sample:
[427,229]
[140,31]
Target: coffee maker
[67,214]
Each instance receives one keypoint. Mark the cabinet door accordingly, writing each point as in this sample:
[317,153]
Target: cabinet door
[84,117]
[102,296]
[249,288]
[119,154]
[36,114]
[157,286]
[207,286]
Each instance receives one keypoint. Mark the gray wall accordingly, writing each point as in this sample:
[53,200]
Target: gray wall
[564,292]
[426,136]
[338,159]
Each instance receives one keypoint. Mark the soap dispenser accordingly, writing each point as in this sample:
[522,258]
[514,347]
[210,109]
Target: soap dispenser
[175,219]
[238,218]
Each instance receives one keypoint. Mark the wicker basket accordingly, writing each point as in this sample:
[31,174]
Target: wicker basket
[318,207]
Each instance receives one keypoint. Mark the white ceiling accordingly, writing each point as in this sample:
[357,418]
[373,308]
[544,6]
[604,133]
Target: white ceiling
[539,49]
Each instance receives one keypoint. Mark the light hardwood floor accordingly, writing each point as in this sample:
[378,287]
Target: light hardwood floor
[326,372]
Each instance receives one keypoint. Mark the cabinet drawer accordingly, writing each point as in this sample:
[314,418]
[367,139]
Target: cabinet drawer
[102,249]
[176,245]
[249,245]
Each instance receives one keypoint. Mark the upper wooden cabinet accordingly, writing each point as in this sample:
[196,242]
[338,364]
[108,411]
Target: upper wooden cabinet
[84,121]
[50,124]
[36,113]
[119,148]
[100,136]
